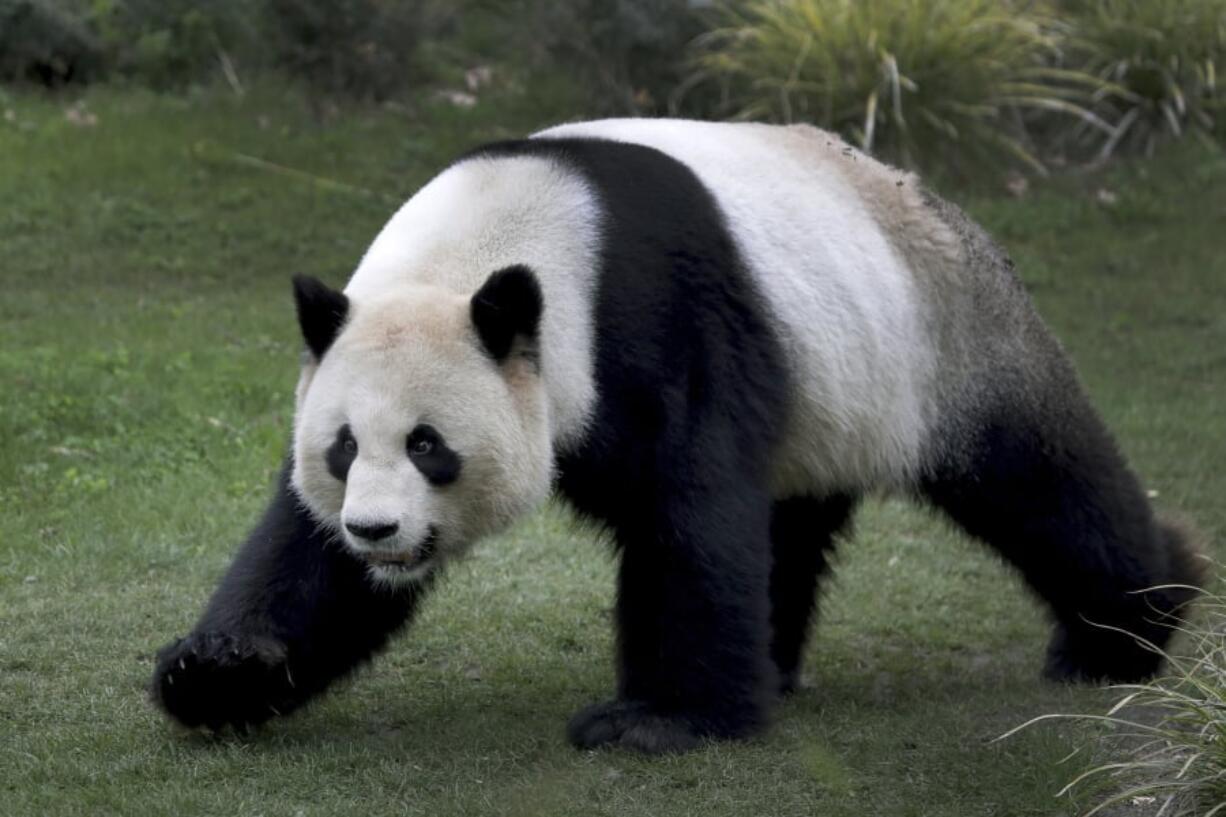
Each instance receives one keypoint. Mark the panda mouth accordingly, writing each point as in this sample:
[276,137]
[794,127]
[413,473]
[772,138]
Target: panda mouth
[405,560]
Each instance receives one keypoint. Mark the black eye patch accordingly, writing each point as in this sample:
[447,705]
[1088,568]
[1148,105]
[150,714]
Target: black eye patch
[429,452]
[341,454]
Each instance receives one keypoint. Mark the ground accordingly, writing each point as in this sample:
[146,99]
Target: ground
[147,357]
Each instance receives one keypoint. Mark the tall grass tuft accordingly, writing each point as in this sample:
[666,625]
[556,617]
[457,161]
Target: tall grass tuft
[1159,61]
[1169,735]
[909,80]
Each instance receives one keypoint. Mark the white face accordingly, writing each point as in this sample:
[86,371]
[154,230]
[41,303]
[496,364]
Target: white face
[410,442]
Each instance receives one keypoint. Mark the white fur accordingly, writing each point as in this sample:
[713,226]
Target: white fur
[851,318]
[481,215]
[386,374]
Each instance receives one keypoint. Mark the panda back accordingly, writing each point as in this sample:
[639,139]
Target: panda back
[824,233]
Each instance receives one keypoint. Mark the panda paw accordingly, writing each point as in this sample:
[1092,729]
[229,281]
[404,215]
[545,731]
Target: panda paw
[632,725]
[1088,654]
[215,679]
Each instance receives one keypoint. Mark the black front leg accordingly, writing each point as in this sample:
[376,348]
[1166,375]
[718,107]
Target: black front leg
[294,612]
[694,627]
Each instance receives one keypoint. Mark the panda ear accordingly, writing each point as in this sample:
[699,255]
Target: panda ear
[321,312]
[508,306]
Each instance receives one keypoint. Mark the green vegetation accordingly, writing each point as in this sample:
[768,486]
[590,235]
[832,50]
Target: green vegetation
[1166,736]
[902,79]
[935,82]
[1160,60]
[961,85]
[147,358]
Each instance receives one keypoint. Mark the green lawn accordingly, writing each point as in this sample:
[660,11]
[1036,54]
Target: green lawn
[147,358]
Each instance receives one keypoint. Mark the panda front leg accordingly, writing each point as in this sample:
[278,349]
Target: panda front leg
[294,612]
[693,617]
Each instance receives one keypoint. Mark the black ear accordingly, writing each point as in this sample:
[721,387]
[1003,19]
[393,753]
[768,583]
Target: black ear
[321,312]
[508,306]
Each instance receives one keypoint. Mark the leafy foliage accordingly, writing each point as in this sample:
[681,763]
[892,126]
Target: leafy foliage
[629,51]
[41,43]
[906,79]
[361,48]
[169,43]
[1159,62]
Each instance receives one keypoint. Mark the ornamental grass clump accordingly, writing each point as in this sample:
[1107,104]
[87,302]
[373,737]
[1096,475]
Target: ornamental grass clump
[1158,62]
[1166,740]
[912,81]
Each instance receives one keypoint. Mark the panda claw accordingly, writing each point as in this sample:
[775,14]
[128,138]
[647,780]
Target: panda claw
[224,681]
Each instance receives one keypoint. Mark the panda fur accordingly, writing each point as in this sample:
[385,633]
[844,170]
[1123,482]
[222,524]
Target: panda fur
[713,339]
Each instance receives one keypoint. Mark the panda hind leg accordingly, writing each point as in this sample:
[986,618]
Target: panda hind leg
[1055,498]
[803,531]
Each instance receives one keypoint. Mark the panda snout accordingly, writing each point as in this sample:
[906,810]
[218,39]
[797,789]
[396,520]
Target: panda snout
[372,533]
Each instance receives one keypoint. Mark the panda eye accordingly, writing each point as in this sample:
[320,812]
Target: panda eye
[429,452]
[341,454]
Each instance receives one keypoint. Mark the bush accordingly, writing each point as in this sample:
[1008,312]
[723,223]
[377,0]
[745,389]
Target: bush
[909,80]
[362,48]
[170,43]
[631,52]
[38,42]
[1160,60]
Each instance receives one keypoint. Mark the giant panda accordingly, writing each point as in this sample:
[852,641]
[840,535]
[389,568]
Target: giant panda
[712,339]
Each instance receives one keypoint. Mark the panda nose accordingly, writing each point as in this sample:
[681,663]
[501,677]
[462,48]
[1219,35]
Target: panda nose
[372,533]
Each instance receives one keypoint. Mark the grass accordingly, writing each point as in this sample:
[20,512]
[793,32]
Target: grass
[147,359]
[1164,736]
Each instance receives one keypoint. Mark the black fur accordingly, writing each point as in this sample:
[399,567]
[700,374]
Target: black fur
[802,533]
[321,313]
[1033,472]
[340,455]
[294,612]
[693,390]
[440,465]
[507,306]
[1048,489]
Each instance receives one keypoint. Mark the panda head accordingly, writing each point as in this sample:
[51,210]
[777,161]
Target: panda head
[421,422]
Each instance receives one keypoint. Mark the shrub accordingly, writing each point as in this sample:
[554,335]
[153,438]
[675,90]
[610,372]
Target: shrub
[910,80]
[362,48]
[1160,60]
[170,43]
[630,52]
[41,43]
